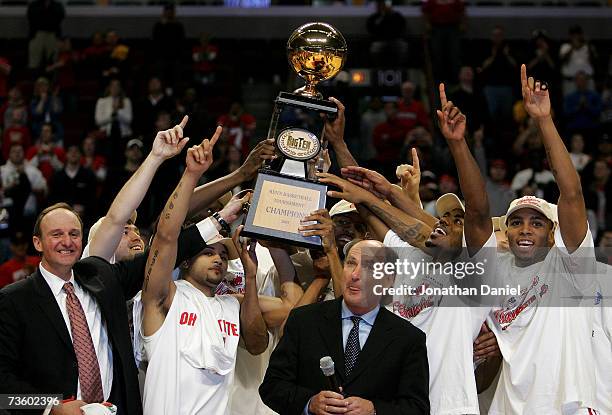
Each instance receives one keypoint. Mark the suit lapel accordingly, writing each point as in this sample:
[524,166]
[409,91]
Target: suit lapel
[50,308]
[331,332]
[379,338]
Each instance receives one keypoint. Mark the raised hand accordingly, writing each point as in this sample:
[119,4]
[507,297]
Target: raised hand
[369,180]
[452,121]
[200,157]
[348,191]
[410,176]
[334,129]
[264,150]
[324,228]
[233,208]
[246,250]
[169,143]
[535,96]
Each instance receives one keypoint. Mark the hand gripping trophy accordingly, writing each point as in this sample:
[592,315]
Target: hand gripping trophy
[287,190]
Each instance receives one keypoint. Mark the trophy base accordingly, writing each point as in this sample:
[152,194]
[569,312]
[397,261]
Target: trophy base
[278,205]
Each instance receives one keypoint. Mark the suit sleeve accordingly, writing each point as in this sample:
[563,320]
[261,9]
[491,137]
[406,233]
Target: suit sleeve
[10,345]
[279,389]
[131,272]
[413,386]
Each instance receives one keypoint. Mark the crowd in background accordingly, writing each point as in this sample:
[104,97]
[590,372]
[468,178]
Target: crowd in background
[76,121]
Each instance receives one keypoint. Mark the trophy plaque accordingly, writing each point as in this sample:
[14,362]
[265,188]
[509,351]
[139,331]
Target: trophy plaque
[287,189]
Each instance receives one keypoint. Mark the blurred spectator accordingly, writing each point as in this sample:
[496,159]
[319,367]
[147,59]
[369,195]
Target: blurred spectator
[118,175]
[238,128]
[579,158]
[471,101]
[93,161]
[62,72]
[577,55]
[388,138]
[448,184]
[387,29]
[115,63]
[583,108]
[444,21]
[15,100]
[498,73]
[410,111]
[95,54]
[75,185]
[168,39]
[46,108]
[535,173]
[596,178]
[149,108]
[429,191]
[45,19]
[372,116]
[46,155]
[21,264]
[528,141]
[13,172]
[5,71]
[204,56]
[17,132]
[114,111]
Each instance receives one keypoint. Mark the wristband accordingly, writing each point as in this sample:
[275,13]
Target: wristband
[222,222]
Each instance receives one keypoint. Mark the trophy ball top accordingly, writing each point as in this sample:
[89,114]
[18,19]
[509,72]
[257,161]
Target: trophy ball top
[316,51]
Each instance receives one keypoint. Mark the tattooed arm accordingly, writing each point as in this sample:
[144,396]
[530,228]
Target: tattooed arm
[408,228]
[158,288]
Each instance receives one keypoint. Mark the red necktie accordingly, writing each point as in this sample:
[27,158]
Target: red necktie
[89,369]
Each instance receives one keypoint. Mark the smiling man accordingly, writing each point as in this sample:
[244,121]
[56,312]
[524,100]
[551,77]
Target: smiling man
[545,337]
[380,359]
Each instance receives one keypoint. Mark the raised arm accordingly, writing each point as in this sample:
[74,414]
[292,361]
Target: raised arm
[571,208]
[407,227]
[206,194]
[158,289]
[252,325]
[167,144]
[478,227]
[334,132]
[376,226]
[383,189]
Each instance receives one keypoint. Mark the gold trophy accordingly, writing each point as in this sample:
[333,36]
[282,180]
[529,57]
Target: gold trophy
[287,190]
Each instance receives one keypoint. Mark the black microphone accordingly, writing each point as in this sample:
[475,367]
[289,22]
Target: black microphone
[327,367]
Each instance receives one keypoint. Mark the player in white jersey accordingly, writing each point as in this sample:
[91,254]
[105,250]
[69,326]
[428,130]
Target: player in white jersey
[190,336]
[450,325]
[548,364]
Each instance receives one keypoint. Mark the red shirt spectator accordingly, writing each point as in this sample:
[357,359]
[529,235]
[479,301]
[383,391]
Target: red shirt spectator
[411,112]
[20,265]
[204,55]
[444,12]
[15,134]
[47,156]
[238,126]
[389,136]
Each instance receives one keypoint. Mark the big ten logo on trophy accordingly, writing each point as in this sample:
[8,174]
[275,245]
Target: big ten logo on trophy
[287,190]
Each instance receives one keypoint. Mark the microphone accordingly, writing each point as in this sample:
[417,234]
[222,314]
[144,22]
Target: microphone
[327,367]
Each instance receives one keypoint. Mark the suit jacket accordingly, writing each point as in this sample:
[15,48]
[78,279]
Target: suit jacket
[392,369]
[36,352]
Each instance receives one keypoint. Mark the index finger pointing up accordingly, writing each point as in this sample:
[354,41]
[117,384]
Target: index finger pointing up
[523,76]
[216,135]
[415,159]
[183,123]
[443,100]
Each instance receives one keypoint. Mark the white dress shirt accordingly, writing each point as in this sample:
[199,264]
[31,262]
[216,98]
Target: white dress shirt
[95,322]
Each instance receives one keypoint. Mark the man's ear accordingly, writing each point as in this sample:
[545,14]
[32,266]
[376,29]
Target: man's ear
[37,243]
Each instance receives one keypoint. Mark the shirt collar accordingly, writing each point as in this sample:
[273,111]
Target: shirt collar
[368,317]
[55,283]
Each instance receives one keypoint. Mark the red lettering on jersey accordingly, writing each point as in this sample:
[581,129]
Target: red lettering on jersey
[188,318]
[228,328]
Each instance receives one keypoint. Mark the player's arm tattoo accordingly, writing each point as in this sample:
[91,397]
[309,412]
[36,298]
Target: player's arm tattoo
[150,269]
[411,233]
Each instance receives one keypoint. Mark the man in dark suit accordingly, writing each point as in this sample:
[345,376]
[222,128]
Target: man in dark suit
[380,359]
[41,353]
